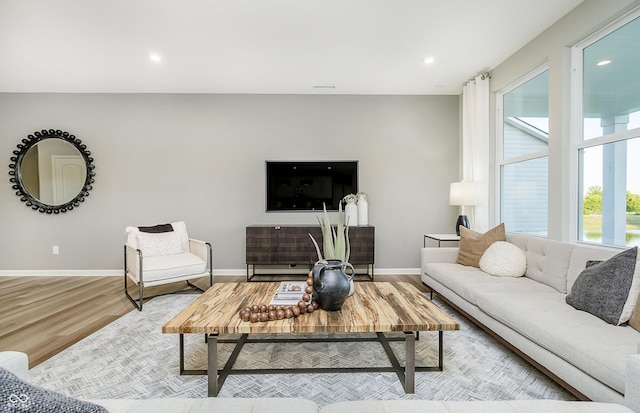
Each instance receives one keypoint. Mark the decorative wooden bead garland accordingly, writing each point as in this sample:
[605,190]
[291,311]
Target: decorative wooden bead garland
[264,312]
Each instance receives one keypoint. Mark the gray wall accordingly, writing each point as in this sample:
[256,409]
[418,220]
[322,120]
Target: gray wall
[553,48]
[201,158]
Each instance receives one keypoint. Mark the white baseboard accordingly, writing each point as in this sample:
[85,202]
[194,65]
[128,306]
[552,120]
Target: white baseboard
[118,273]
[95,273]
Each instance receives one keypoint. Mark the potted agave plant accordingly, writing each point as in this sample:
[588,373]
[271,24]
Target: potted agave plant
[331,285]
[335,242]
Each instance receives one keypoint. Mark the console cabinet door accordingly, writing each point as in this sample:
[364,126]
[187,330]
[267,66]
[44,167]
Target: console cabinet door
[361,240]
[295,245]
[262,245]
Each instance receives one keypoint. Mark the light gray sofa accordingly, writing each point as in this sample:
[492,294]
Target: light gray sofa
[591,358]
[17,363]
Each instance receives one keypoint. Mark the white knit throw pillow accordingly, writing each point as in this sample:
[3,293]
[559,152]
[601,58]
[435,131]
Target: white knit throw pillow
[503,259]
[164,243]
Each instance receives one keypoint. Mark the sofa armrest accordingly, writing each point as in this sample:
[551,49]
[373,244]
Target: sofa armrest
[632,383]
[16,362]
[439,254]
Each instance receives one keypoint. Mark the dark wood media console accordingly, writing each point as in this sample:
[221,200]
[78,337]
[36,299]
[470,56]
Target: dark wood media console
[291,245]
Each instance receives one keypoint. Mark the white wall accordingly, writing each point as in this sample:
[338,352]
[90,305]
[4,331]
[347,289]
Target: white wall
[553,47]
[201,158]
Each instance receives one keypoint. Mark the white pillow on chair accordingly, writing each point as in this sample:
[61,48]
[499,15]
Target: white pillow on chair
[179,230]
[157,244]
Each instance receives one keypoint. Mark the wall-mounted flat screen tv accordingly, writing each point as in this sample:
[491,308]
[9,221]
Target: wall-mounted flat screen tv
[307,185]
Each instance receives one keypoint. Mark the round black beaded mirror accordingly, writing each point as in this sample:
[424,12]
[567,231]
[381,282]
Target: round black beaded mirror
[52,171]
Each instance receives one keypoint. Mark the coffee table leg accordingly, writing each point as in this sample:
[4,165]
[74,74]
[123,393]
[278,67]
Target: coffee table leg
[440,350]
[181,354]
[410,364]
[212,365]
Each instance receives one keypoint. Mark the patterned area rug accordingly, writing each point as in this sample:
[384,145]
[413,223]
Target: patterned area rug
[131,358]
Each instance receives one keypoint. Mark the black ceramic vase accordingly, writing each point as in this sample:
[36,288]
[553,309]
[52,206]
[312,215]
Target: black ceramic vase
[331,284]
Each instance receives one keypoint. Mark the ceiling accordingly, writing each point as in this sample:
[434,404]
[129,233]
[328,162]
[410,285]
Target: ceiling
[262,46]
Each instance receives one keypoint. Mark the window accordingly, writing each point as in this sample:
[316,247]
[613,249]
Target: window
[524,153]
[609,146]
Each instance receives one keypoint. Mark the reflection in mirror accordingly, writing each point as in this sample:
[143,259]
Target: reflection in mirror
[52,171]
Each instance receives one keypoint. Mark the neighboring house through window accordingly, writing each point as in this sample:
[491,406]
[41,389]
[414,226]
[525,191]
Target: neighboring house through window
[523,154]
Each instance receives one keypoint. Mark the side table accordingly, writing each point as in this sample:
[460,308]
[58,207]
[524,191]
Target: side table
[441,238]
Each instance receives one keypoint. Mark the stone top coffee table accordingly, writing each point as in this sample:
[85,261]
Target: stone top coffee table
[375,307]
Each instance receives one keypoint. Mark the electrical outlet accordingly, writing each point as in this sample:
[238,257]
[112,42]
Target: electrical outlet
[55,250]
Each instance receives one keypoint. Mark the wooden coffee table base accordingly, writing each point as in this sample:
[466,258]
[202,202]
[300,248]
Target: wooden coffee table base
[405,374]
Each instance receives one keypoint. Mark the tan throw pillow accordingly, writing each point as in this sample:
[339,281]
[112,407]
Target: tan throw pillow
[635,318]
[474,244]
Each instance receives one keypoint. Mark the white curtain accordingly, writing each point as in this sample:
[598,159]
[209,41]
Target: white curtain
[475,147]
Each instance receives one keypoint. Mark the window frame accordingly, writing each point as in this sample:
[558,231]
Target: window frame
[577,141]
[500,160]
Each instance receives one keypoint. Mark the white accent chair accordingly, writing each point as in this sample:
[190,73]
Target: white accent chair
[164,254]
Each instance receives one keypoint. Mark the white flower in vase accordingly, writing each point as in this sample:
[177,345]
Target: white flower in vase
[363,208]
[350,210]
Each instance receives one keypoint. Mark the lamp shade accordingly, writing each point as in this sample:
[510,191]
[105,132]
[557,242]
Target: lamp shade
[462,193]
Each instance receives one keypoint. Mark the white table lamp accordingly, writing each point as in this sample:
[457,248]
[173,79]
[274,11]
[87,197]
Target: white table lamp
[462,194]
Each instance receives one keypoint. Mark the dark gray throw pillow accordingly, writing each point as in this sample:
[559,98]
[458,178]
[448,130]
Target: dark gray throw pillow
[19,396]
[603,287]
[157,229]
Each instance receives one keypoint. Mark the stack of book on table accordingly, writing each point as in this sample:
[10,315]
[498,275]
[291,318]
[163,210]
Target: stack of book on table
[289,293]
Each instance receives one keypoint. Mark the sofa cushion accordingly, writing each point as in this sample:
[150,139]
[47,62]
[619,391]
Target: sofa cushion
[595,347]
[470,282]
[547,260]
[18,395]
[211,404]
[602,289]
[474,244]
[489,406]
[503,259]
[459,278]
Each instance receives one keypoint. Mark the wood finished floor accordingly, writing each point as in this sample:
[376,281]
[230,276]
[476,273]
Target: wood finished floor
[42,316]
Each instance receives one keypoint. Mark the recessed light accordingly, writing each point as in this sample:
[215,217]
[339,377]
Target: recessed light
[155,57]
[604,62]
[428,60]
